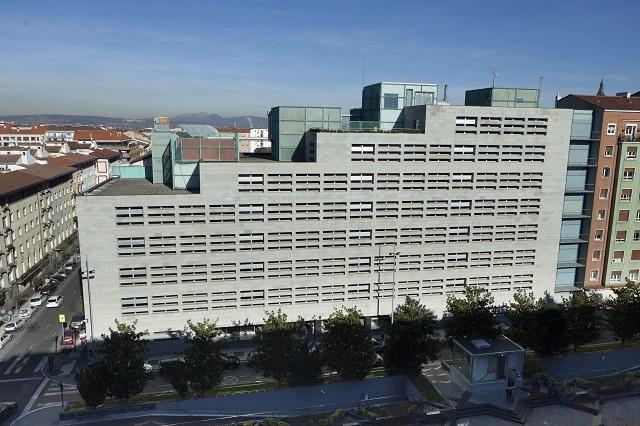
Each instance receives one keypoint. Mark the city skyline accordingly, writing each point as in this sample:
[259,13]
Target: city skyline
[155,58]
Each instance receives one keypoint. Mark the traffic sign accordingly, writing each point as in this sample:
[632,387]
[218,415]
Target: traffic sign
[61,318]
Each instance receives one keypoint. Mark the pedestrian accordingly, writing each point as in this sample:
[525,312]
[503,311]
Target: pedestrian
[511,384]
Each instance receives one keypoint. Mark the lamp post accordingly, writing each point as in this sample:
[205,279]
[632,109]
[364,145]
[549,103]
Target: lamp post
[393,290]
[88,274]
[378,260]
[61,394]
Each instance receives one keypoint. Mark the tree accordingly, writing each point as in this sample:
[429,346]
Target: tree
[3,296]
[178,377]
[623,312]
[202,358]
[121,354]
[472,316]
[552,331]
[522,325]
[410,342]
[275,342]
[92,382]
[583,317]
[304,364]
[346,344]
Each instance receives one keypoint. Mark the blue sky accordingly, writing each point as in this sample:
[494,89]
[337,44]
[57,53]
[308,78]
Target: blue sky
[142,58]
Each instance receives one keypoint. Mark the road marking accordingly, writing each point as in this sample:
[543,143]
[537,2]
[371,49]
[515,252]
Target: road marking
[40,365]
[20,380]
[13,364]
[21,365]
[34,398]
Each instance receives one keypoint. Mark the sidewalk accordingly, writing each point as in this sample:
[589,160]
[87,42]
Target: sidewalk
[592,364]
[40,416]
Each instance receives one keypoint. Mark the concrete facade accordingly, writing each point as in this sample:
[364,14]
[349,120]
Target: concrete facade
[456,204]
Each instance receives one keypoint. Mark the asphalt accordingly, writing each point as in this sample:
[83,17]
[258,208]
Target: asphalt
[23,358]
[592,364]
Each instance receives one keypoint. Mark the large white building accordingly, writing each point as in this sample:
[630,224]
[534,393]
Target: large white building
[471,196]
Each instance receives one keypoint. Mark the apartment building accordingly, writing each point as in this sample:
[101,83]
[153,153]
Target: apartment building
[612,237]
[473,196]
[37,216]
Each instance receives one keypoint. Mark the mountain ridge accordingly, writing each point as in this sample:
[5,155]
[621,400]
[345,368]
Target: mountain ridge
[127,123]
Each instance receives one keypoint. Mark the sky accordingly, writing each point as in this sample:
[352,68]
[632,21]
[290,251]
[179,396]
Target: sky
[142,58]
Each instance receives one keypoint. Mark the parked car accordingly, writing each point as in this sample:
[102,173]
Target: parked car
[77,321]
[4,339]
[59,276]
[68,267]
[252,359]
[166,365]
[7,409]
[230,361]
[67,338]
[54,301]
[36,300]
[52,281]
[377,361]
[14,326]
[25,313]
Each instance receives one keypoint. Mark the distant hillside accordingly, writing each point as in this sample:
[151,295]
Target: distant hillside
[125,123]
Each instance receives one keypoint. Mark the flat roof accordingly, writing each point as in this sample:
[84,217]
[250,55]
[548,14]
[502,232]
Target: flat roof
[500,344]
[124,187]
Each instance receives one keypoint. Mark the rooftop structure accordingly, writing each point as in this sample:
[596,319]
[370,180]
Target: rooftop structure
[503,97]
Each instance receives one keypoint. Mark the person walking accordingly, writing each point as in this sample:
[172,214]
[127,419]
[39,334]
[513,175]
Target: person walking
[511,385]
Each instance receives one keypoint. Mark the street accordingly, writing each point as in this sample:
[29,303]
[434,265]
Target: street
[23,358]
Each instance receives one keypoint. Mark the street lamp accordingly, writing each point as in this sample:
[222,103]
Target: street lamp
[378,260]
[87,275]
[393,290]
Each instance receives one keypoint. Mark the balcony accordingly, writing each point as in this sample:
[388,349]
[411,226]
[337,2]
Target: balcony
[577,214]
[573,263]
[629,138]
[579,189]
[591,162]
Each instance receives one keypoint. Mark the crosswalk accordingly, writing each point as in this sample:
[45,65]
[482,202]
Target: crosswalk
[25,364]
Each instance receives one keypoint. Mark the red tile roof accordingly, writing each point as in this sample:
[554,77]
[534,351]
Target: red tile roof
[17,181]
[612,102]
[106,154]
[47,171]
[100,135]
[72,160]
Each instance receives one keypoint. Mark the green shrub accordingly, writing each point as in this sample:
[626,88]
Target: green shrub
[366,413]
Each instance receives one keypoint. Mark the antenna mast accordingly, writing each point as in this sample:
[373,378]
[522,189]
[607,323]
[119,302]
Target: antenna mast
[363,59]
[494,74]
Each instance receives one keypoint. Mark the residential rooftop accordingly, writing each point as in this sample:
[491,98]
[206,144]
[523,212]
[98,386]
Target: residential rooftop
[500,344]
[132,187]
[631,103]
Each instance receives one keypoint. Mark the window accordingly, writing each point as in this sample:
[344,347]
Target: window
[601,214]
[608,151]
[390,101]
[598,235]
[628,174]
[635,255]
[633,275]
[606,172]
[637,215]
[632,151]
[593,275]
[623,216]
[618,256]
[423,98]
[611,129]
[615,276]
[621,236]
[596,255]
[636,235]
[604,194]
[626,195]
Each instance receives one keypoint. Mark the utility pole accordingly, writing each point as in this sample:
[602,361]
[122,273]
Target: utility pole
[378,260]
[393,290]
[61,394]
[88,274]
